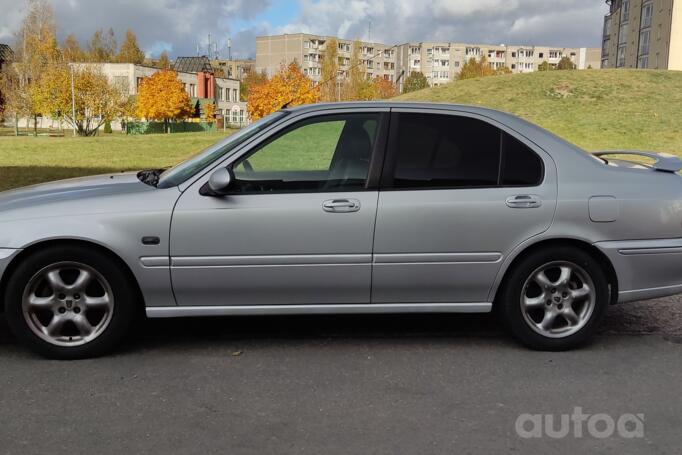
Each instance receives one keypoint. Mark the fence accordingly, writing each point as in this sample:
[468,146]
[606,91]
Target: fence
[175,127]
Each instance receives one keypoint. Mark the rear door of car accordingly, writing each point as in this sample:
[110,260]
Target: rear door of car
[459,192]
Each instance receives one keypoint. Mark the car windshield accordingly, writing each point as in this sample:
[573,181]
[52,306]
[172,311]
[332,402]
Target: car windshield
[183,171]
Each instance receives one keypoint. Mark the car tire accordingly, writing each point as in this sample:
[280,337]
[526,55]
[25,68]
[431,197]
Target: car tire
[70,302]
[554,299]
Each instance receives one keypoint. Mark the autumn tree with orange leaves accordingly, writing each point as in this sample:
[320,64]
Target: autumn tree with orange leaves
[289,86]
[383,88]
[162,97]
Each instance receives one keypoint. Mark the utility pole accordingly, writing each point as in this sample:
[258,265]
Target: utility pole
[73,100]
[229,48]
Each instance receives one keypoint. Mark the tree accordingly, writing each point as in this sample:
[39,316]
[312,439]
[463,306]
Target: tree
[96,100]
[36,50]
[476,68]
[544,66]
[102,47]
[252,79]
[384,88]
[71,50]
[15,97]
[164,61]
[565,64]
[330,71]
[162,97]
[415,81]
[130,52]
[209,112]
[288,87]
[357,86]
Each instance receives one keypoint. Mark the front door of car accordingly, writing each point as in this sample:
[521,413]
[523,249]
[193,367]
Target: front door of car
[296,225]
[459,192]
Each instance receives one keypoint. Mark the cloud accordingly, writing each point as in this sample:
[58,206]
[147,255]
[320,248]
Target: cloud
[179,25]
[159,24]
[556,22]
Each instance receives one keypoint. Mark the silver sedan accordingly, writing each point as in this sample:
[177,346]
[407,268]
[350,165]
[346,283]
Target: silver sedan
[347,208]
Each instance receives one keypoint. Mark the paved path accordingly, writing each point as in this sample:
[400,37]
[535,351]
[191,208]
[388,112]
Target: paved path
[358,385]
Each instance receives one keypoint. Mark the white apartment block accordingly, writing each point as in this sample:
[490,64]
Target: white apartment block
[440,62]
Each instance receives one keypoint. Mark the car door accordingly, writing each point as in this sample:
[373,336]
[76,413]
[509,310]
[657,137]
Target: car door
[296,227]
[459,192]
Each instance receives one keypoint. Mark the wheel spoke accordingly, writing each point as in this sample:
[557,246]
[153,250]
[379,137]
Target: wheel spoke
[55,326]
[547,322]
[541,279]
[534,302]
[55,280]
[570,316]
[40,303]
[83,325]
[565,276]
[97,302]
[581,293]
[82,281]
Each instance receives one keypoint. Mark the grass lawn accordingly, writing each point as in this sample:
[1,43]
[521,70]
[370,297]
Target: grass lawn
[28,160]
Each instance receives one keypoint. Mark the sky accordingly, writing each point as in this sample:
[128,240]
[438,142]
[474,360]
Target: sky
[178,26]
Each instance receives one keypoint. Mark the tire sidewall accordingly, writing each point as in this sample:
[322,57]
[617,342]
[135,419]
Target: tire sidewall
[510,305]
[125,301]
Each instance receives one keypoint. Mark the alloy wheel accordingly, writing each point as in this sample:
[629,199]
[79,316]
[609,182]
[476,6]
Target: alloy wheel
[68,304]
[558,299]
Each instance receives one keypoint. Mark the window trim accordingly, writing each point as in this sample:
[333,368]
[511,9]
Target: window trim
[387,175]
[376,158]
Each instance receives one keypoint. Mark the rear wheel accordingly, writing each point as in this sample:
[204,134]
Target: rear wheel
[69,302]
[554,299]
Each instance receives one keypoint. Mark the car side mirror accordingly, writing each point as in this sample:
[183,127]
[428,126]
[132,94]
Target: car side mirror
[220,181]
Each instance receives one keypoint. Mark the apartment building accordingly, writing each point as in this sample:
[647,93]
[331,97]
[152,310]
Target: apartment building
[273,51]
[643,34]
[440,62]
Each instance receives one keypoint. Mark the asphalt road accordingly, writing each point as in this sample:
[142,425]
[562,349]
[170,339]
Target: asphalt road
[357,385]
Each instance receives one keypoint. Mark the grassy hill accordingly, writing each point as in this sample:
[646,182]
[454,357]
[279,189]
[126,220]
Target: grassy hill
[595,109]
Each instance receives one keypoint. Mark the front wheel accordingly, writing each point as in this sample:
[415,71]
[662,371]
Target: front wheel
[69,302]
[554,299]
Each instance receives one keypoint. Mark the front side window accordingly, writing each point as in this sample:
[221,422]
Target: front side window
[441,151]
[330,153]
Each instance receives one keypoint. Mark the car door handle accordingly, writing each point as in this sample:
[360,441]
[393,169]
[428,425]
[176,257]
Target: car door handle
[341,205]
[524,201]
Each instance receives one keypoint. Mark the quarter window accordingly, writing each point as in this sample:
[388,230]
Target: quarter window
[439,151]
[329,153]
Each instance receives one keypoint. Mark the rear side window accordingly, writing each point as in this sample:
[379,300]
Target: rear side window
[521,166]
[447,151]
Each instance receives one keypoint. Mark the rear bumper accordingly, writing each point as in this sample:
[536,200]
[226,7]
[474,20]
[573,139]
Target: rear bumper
[646,269]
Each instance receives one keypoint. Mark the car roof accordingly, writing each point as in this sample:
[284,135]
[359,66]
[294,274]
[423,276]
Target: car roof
[392,104]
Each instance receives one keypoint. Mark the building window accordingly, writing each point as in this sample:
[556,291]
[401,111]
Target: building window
[607,26]
[234,95]
[623,34]
[553,54]
[643,62]
[644,42]
[620,61]
[192,90]
[647,13]
[605,48]
[625,11]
